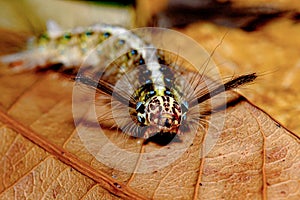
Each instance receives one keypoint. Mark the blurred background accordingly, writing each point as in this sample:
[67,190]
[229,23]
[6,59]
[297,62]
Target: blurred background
[260,36]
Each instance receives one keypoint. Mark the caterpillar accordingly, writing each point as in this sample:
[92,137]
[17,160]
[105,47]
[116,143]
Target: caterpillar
[152,91]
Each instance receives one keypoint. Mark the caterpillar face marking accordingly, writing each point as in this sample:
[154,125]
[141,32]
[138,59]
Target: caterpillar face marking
[162,114]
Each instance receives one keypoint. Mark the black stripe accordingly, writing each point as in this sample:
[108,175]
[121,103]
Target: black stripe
[144,74]
[106,88]
[248,78]
[168,75]
[148,90]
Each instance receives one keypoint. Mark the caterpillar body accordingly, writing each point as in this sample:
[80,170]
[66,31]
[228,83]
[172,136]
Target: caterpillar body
[154,93]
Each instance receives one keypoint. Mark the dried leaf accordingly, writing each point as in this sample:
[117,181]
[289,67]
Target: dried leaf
[267,51]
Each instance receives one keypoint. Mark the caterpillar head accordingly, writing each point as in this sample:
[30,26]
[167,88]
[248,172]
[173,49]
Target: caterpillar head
[162,114]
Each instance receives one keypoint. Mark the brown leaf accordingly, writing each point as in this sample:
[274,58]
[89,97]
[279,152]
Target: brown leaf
[271,51]
[253,157]
[43,157]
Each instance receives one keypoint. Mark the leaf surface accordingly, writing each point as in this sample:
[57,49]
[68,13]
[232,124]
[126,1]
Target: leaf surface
[271,51]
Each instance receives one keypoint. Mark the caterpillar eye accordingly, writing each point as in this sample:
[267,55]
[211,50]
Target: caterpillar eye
[140,107]
[141,119]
